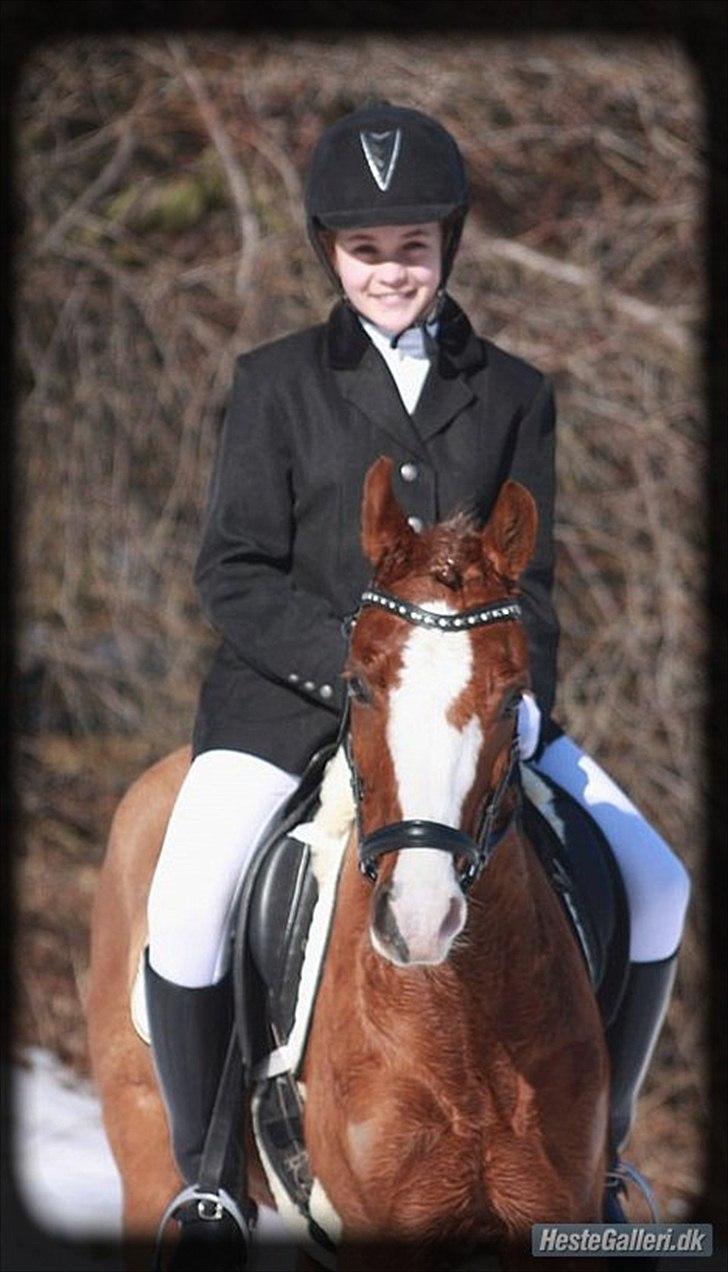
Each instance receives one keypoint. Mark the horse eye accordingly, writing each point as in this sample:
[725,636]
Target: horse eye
[359,690]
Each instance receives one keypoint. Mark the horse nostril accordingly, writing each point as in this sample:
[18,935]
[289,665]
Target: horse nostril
[385,925]
[381,902]
[454,919]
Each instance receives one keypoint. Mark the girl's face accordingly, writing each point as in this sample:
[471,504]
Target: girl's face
[390,273]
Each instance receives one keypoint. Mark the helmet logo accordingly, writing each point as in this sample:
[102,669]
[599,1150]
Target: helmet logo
[381,151]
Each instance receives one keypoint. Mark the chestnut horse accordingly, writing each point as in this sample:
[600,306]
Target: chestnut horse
[455,1074]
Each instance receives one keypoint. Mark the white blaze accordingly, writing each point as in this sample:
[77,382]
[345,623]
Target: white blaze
[434,764]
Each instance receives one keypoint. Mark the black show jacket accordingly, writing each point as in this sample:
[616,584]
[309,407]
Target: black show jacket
[281,564]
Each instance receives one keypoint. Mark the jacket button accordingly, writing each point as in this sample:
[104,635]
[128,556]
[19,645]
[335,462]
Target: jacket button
[416,524]
[326,691]
[409,472]
[309,686]
[293,678]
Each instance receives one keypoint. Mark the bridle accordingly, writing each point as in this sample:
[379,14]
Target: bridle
[416,833]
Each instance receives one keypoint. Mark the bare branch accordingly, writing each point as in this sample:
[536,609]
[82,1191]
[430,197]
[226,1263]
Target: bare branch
[239,188]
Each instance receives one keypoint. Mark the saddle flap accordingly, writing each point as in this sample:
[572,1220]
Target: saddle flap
[279,918]
[579,862]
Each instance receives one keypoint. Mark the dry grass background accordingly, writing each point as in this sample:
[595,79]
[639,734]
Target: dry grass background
[160,180]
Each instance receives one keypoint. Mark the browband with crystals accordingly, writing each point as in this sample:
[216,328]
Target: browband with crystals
[478,616]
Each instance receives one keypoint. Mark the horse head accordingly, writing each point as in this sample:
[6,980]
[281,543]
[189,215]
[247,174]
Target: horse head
[436,667]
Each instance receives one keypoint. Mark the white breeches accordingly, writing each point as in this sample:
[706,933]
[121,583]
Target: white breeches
[228,800]
[224,807]
[657,884]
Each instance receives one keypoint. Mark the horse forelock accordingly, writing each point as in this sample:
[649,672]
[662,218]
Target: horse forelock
[455,549]
[450,554]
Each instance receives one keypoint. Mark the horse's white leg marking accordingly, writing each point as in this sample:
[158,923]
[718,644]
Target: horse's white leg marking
[435,765]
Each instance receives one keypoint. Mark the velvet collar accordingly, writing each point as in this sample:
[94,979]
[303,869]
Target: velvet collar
[458,346]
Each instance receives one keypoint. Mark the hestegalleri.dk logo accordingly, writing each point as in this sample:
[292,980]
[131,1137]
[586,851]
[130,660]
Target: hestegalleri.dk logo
[628,1239]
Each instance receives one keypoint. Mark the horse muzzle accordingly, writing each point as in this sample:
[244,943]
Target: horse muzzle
[419,911]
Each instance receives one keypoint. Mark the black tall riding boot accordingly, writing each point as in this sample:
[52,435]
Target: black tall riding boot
[190,1031]
[631,1041]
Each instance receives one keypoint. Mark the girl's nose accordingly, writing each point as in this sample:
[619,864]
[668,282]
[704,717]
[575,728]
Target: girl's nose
[392,271]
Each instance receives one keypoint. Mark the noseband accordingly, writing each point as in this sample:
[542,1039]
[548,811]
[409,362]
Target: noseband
[416,833]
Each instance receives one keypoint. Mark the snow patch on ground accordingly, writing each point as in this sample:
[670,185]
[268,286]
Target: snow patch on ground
[63,1165]
[64,1170]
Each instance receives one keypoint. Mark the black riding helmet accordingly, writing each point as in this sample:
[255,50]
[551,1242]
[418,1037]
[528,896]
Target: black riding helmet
[386,165]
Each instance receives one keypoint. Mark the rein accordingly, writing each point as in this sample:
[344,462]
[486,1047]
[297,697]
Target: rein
[416,833]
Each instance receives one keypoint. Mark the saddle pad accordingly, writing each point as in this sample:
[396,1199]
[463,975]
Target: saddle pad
[300,1199]
[139,1014]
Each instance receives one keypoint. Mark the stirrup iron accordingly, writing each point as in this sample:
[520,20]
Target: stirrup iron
[211,1206]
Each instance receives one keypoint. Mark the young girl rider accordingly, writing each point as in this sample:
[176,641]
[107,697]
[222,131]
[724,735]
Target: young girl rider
[396,370]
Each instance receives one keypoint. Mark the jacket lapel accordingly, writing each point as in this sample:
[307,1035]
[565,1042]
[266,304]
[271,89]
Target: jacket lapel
[443,397]
[365,380]
[448,392]
[358,369]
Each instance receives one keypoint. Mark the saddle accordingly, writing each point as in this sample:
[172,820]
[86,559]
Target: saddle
[282,932]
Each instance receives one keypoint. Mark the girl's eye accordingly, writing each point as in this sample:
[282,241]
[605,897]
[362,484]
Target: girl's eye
[358,690]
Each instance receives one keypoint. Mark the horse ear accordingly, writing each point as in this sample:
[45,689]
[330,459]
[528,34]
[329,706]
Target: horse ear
[384,525]
[510,535]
